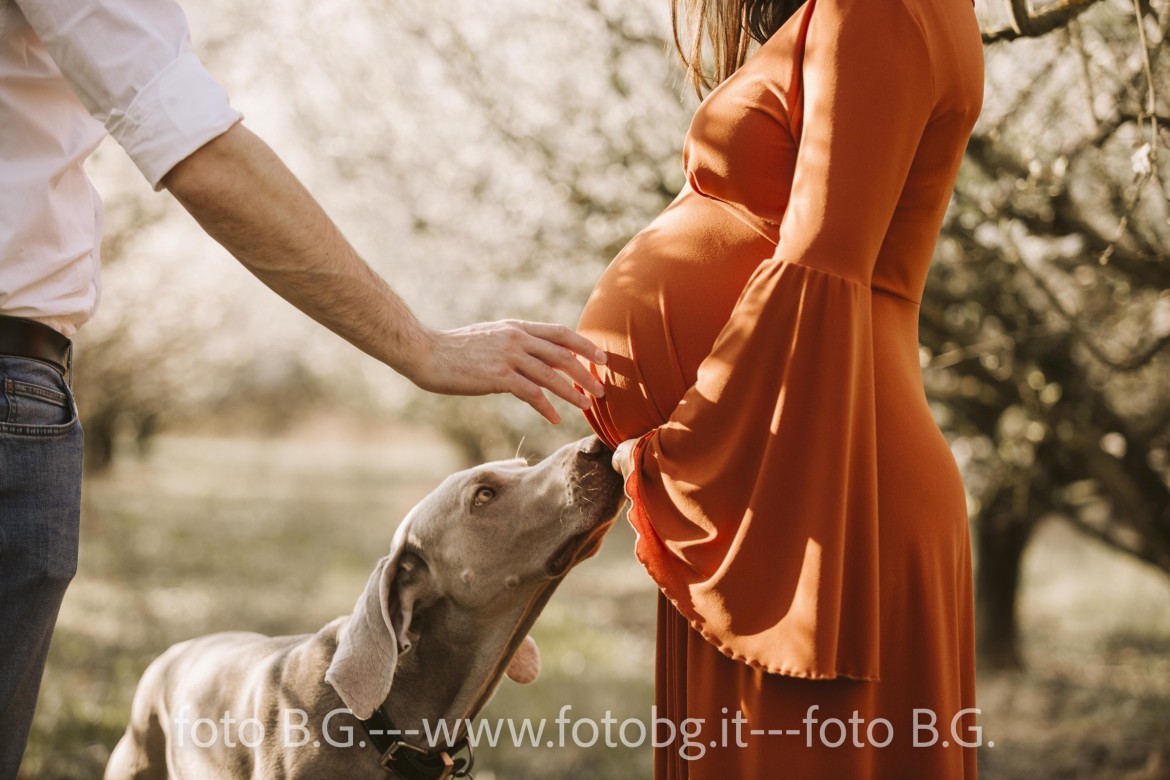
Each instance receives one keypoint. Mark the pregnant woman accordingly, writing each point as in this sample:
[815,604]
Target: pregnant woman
[794,500]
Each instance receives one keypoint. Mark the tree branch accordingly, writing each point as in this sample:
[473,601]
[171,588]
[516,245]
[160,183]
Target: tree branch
[1033,24]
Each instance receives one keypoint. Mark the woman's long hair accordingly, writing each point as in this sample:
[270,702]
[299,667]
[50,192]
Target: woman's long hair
[726,28]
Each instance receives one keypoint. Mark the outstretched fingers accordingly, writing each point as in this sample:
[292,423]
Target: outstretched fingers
[551,363]
[562,362]
[567,338]
[525,359]
[530,393]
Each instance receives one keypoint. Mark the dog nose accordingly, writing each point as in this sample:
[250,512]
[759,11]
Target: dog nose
[593,449]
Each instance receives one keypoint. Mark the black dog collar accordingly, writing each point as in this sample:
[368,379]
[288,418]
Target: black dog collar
[407,762]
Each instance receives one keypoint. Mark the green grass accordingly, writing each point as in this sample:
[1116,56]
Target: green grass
[215,533]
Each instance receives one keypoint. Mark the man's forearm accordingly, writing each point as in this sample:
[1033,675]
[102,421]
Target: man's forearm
[246,199]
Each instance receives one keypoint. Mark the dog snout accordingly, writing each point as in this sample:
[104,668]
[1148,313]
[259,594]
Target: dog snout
[591,473]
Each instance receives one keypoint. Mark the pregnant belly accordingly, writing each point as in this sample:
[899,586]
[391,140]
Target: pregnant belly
[663,301]
[660,305]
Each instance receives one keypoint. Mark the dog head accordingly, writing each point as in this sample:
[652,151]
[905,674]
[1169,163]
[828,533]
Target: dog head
[469,569]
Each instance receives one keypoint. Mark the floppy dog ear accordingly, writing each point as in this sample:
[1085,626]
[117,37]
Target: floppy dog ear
[378,632]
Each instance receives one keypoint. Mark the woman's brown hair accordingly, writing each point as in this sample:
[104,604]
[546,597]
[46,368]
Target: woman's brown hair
[727,27]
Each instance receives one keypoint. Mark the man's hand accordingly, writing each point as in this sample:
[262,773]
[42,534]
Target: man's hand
[244,197]
[510,356]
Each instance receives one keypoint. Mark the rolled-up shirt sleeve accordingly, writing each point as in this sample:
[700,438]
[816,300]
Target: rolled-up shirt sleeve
[132,66]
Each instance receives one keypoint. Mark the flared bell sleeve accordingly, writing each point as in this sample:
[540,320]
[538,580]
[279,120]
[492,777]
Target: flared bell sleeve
[756,503]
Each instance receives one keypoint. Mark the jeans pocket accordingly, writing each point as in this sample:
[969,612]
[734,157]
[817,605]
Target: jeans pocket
[35,400]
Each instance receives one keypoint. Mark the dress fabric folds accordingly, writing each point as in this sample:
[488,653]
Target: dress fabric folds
[797,323]
[794,500]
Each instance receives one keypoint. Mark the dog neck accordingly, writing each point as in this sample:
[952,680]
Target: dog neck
[456,665]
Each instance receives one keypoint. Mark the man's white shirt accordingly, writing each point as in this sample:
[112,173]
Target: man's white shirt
[70,72]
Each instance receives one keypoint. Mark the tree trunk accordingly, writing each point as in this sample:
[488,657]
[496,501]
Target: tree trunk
[100,430]
[1000,538]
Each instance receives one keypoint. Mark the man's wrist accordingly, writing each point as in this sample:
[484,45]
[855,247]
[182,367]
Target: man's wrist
[417,345]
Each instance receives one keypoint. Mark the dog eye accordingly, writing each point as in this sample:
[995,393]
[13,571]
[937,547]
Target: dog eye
[483,495]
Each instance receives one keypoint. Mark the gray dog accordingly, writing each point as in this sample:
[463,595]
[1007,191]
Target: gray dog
[443,617]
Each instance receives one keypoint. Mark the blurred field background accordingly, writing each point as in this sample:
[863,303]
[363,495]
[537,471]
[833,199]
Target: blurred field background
[246,469]
[216,532]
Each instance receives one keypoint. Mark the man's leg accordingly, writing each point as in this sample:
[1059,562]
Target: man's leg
[40,508]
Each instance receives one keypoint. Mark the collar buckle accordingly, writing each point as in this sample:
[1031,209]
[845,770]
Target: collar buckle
[413,763]
[408,762]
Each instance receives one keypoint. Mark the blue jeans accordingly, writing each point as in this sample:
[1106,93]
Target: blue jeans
[40,510]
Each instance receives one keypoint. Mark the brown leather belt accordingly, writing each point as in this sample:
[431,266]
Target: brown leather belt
[29,339]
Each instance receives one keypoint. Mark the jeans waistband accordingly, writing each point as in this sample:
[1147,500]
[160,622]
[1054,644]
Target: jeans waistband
[28,339]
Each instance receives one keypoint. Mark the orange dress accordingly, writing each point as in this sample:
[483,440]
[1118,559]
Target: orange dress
[794,499]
